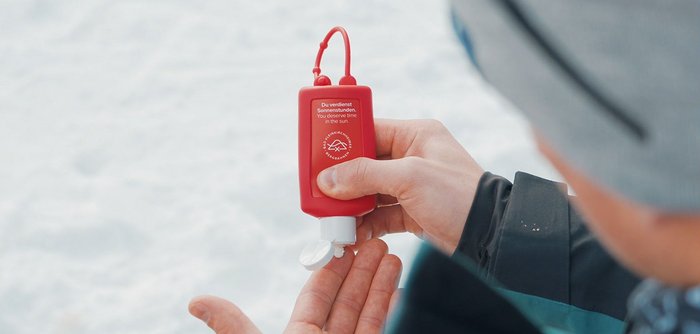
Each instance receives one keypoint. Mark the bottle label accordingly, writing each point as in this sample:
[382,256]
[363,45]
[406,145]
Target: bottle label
[336,134]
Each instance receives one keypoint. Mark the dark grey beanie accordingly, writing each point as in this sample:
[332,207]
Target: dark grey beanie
[612,85]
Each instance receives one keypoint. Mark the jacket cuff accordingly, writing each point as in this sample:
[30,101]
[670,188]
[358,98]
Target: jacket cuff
[518,234]
[533,240]
[484,216]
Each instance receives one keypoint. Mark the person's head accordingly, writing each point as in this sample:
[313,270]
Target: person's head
[612,91]
[657,244]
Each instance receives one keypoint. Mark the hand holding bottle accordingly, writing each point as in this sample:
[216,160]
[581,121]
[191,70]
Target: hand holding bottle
[425,178]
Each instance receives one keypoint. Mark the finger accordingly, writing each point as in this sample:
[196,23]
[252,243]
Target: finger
[382,221]
[316,297]
[385,220]
[352,295]
[402,138]
[364,176]
[386,131]
[394,137]
[376,307]
[221,315]
[395,299]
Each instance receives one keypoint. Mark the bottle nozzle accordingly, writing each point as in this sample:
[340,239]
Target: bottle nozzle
[336,233]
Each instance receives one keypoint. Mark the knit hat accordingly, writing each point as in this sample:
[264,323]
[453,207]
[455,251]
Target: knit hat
[612,85]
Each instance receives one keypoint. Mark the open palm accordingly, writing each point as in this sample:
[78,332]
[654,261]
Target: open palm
[349,295]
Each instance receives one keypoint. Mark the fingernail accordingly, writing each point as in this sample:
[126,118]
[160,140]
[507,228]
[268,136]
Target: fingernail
[201,312]
[327,178]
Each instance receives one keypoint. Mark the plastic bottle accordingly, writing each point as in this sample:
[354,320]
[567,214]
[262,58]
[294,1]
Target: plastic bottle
[335,125]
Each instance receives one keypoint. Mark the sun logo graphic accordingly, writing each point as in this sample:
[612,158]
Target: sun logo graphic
[337,145]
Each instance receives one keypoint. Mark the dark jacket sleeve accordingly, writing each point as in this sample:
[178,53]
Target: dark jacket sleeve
[528,237]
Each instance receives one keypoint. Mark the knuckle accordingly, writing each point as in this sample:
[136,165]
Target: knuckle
[381,293]
[359,170]
[365,270]
[372,321]
[363,168]
[317,295]
[433,125]
[351,304]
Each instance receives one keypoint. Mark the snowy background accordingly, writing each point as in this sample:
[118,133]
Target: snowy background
[148,149]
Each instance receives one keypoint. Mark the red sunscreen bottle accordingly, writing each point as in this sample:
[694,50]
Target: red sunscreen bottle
[335,125]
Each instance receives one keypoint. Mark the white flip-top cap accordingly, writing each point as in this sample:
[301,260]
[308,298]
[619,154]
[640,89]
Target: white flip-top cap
[336,233]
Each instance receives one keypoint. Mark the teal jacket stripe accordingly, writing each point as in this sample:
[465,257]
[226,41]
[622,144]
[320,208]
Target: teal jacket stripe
[553,317]
[446,295]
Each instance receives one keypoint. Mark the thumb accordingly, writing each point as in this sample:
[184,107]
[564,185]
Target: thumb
[221,315]
[363,176]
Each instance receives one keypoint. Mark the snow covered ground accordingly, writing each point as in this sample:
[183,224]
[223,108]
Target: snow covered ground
[148,148]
